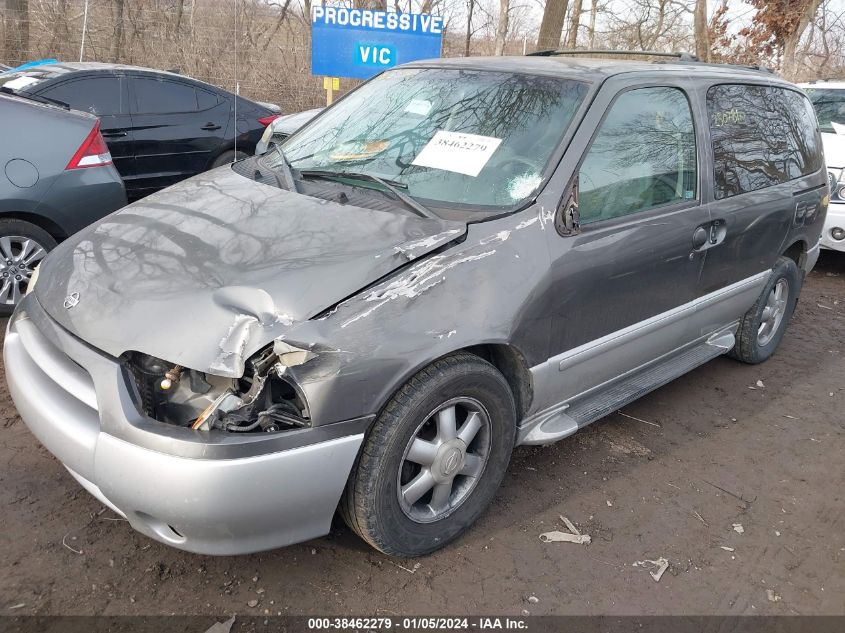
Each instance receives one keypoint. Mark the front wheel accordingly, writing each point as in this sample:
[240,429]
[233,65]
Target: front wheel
[433,459]
[762,327]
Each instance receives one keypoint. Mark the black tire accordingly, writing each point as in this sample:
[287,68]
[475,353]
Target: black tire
[371,505]
[10,228]
[749,347]
[227,157]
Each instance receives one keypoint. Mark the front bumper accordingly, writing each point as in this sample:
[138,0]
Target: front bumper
[835,219]
[195,491]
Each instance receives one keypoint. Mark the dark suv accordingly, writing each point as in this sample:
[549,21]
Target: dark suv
[161,127]
[459,256]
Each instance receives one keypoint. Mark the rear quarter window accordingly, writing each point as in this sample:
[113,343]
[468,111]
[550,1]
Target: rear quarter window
[205,99]
[762,136]
[161,96]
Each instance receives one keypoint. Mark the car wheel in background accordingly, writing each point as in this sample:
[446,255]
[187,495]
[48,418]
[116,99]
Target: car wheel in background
[22,247]
[763,326]
[228,157]
[433,459]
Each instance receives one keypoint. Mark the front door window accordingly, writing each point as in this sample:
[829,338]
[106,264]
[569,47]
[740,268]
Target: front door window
[643,156]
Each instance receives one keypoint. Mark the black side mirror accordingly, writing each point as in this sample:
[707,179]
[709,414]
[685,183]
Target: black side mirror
[567,218]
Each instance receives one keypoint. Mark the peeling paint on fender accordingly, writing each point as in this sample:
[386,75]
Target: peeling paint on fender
[415,248]
[417,280]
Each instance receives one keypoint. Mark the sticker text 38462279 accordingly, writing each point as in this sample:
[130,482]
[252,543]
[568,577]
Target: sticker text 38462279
[458,152]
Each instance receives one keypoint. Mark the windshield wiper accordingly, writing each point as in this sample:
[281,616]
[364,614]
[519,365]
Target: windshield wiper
[391,185]
[287,170]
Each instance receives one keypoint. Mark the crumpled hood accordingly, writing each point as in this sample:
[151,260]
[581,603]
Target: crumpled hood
[208,272]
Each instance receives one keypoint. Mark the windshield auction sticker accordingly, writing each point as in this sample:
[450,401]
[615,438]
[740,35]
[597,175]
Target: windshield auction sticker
[454,151]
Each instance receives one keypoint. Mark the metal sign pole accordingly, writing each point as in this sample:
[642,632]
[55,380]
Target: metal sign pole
[330,84]
[84,29]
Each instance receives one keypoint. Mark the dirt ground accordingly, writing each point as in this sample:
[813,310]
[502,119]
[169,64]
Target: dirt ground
[732,473]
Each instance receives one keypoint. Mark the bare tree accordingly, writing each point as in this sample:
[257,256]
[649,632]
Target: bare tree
[594,9]
[774,34]
[822,51]
[17,31]
[702,34]
[180,8]
[551,26]
[469,31]
[502,26]
[650,25]
[117,43]
[793,36]
[574,23]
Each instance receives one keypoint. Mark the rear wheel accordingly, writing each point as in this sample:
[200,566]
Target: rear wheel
[763,326]
[434,458]
[228,157]
[22,247]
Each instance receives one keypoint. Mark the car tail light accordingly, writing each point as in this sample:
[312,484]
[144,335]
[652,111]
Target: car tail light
[92,153]
[267,120]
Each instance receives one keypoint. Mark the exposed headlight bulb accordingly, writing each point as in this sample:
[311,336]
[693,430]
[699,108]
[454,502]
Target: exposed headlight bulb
[171,377]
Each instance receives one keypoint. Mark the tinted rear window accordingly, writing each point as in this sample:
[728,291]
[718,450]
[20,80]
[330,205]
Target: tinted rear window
[97,95]
[762,136]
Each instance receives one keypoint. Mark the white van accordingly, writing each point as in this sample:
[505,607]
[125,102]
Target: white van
[828,99]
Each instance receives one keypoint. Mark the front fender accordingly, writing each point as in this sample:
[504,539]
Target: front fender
[489,289]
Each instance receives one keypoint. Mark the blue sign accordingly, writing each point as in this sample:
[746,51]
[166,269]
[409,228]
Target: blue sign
[360,43]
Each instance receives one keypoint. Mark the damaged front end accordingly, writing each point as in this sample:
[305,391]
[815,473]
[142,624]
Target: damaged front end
[263,400]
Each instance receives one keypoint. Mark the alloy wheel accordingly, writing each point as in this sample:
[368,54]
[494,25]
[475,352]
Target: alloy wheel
[773,312]
[444,460]
[18,258]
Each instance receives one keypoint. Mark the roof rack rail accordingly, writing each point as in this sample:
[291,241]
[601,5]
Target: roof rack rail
[758,67]
[680,56]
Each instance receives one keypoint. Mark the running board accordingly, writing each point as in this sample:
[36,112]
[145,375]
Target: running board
[593,407]
[547,427]
[564,419]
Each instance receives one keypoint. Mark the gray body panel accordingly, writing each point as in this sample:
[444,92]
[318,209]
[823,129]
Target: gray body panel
[211,271]
[43,139]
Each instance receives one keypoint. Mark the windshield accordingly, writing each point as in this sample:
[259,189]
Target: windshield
[456,137]
[830,108]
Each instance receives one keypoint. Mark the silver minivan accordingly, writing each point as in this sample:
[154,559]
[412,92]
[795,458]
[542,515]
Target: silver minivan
[458,257]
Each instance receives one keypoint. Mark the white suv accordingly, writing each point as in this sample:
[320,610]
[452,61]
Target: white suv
[828,98]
